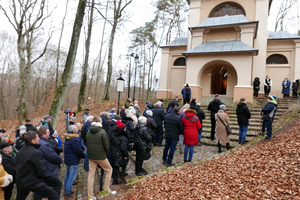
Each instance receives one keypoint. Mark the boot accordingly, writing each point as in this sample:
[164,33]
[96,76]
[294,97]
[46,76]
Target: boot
[219,145]
[185,160]
[227,146]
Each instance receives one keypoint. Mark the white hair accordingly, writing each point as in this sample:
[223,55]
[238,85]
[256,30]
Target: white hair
[158,103]
[89,118]
[72,128]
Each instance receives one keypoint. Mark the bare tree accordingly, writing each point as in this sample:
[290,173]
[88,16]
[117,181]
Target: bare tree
[62,89]
[118,9]
[27,18]
[81,94]
[284,9]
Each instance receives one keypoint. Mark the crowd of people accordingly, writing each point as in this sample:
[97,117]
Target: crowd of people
[33,160]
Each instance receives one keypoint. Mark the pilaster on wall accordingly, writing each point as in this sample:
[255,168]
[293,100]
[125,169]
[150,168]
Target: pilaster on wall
[195,10]
[247,33]
[196,91]
[164,69]
[243,91]
[297,59]
[260,43]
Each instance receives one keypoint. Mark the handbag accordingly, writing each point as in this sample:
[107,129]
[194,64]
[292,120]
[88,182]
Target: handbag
[228,129]
[256,88]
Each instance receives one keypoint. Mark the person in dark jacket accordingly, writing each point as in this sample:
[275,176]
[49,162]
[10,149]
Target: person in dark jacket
[286,84]
[85,128]
[105,122]
[213,107]
[172,105]
[73,153]
[193,103]
[29,126]
[111,127]
[173,128]
[142,141]
[158,116]
[122,112]
[269,112]
[52,162]
[119,153]
[9,165]
[151,126]
[19,142]
[128,121]
[175,101]
[243,115]
[22,127]
[200,114]
[256,84]
[47,121]
[54,142]
[186,94]
[98,152]
[31,170]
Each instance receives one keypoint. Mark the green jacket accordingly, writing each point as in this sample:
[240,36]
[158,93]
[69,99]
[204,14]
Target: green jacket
[97,143]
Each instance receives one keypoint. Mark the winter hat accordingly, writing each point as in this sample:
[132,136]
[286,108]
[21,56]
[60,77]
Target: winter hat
[149,113]
[27,120]
[120,125]
[274,96]
[55,132]
[22,127]
[2,131]
[271,97]
[222,107]
[5,144]
[117,117]
[187,85]
[142,119]
[48,117]
[86,111]
[128,113]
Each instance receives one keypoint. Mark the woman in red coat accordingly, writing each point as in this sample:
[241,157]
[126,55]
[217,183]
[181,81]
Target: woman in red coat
[191,126]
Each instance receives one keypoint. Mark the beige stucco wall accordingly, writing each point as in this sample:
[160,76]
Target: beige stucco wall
[177,80]
[225,33]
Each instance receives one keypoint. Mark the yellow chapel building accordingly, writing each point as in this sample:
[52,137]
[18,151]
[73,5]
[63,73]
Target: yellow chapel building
[227,47]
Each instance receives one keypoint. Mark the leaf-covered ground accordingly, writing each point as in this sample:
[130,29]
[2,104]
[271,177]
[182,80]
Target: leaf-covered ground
[266,170]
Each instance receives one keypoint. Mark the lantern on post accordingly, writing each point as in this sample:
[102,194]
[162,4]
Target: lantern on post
[120,88]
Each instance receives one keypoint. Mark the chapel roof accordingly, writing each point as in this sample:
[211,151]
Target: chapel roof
[180,41]
[223,21]
[221,46]
[281,36]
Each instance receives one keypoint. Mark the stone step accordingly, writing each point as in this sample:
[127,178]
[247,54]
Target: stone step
[252,132]
[232,137]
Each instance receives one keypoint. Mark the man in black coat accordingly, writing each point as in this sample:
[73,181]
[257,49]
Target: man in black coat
[158,116]
[173,128]
[200,114]
[151,126]
[9,165]
[174,101]
[243,115]
[29,126]
[213,107]
[31,170]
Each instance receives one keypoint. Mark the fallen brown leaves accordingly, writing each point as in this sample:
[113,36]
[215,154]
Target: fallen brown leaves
[267,170]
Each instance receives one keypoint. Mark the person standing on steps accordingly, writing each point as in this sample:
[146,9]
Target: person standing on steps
[213,107]
[269,112]
[243,115]
[286,88]
[256,84]
[267,86]
[221,133]
[186,94]
[173,128]
[201,116]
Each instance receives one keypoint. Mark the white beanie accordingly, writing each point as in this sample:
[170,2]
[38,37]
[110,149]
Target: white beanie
[128,113]
[142,119]
[222,107]
[149,113]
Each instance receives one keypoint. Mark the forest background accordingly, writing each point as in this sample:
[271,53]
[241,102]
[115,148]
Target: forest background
[60,54]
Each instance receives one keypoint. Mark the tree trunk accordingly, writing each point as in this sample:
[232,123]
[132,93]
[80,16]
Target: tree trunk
[62,89]
[81,94]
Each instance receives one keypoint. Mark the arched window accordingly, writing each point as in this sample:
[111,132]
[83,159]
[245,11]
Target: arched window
[277,59]
[180,62]
[227,8]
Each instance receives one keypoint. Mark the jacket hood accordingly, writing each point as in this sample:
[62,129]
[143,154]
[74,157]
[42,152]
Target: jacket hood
[139,126]
[197,107]
[192,111]
[119,132]
[240,104]
[69,136]
[216,101]
[274,102]
[95,129]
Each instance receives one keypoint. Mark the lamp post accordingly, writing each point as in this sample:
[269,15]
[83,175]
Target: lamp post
[120,88]
[156,86]
[131,55]
[136,59]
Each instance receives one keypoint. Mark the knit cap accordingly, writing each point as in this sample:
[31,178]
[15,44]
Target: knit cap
[120,125]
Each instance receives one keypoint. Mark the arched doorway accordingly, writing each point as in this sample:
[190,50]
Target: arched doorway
[219,80]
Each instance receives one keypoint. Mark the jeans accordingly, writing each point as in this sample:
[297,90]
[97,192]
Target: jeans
[199,134]
[44,191]
[52,181]
[159,134]
[186,149]
[170,144]
[86,160]
[181,138]
[70,177]
[242,133]
[269,128]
